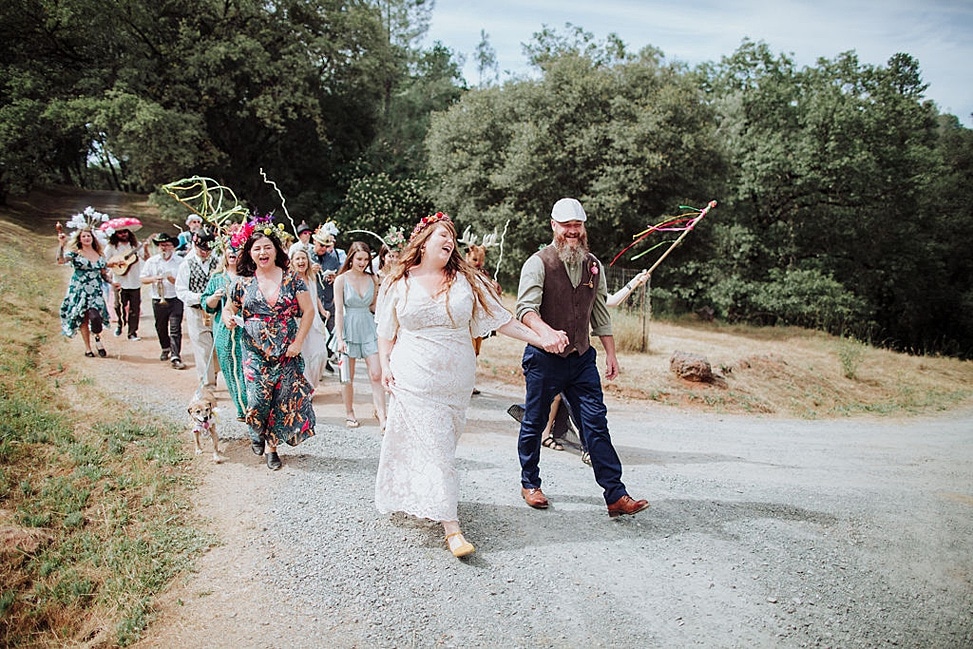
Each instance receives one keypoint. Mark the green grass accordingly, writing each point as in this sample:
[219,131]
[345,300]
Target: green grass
[850,355]
[99,505]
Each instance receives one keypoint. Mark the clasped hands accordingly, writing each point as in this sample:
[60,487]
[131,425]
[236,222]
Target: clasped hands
[554,342]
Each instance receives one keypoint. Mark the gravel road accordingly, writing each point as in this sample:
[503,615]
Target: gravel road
[762,533]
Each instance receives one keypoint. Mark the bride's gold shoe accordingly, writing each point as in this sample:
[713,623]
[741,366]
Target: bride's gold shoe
[462,548]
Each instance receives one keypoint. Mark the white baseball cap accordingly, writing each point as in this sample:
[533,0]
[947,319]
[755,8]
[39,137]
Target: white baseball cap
[568,209]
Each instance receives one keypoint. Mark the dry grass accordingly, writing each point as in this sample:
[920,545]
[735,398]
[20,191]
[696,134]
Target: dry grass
[782,371]
[93,521]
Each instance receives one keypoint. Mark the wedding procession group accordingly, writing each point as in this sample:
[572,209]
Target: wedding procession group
[273,313]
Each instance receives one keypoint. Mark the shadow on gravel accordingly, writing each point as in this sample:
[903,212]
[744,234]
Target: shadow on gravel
[336,465]
[504,527]
[635,455]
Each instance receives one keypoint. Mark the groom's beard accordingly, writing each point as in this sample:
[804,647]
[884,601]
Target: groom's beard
[571,254]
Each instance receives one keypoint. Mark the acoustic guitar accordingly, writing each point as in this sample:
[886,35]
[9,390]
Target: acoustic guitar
[121,264]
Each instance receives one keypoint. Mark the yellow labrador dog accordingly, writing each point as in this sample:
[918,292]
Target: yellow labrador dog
[202,413]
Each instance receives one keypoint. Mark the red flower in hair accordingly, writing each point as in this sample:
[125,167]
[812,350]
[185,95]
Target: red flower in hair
[427,221]
[240,236]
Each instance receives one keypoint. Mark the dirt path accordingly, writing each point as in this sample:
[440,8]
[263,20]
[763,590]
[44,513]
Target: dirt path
[763,532]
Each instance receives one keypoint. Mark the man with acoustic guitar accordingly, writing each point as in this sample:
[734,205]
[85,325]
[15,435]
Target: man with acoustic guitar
[125,257]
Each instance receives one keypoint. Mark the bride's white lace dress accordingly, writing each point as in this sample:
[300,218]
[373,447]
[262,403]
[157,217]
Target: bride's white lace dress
[433,364]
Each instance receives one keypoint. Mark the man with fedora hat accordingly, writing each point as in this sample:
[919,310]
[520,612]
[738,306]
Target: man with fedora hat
[159,272]
[563,297]
[191,281]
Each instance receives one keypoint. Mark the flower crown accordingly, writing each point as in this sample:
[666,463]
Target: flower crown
[88,219]
[395,239]
[258,224]
[427,221]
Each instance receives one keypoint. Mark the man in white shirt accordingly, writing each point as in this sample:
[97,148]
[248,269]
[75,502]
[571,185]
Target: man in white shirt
[125,262]
[159,272]
[191,281]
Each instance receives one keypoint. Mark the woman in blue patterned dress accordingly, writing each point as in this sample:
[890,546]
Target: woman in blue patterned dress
[354,328]
[269,299]
[83,308]
[228,344]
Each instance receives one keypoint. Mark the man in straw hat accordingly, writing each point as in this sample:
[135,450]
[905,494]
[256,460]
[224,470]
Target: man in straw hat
[328,260]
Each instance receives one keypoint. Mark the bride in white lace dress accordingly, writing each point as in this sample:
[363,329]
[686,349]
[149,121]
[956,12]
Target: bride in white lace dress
[431,305]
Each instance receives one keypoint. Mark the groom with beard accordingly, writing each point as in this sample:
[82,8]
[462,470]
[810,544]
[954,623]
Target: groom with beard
[562,297]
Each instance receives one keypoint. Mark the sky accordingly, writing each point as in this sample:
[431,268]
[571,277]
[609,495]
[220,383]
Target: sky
[937,33]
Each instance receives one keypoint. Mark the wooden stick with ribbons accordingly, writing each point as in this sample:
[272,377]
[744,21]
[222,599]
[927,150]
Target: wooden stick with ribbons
[684,223]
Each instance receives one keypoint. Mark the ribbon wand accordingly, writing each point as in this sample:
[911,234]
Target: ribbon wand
[682,236]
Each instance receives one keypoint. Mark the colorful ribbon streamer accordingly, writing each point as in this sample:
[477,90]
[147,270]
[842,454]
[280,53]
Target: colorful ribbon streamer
[205,197]
[683,223]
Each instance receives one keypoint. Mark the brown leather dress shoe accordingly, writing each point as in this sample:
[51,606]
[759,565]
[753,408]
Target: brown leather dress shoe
[626,506]
[534,497]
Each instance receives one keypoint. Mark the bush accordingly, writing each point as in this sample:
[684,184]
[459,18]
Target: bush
[800,298]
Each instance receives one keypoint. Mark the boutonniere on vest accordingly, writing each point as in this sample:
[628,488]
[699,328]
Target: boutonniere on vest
[594,273]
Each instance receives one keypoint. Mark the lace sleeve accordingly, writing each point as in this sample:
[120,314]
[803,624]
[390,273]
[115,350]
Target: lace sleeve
[386,306]
[483,323]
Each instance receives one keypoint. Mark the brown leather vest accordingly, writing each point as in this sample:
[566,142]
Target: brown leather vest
[566,307]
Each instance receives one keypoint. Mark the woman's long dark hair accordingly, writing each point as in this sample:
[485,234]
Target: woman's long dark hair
[132,239]
[356,247]
[246,267]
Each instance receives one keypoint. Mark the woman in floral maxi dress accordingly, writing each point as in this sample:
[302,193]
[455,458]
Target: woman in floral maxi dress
[429,305]
[270,300]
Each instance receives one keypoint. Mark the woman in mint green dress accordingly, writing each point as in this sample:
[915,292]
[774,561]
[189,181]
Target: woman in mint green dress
[355,334]
[228,344]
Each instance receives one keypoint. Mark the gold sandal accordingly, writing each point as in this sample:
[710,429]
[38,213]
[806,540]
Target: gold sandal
[465,548]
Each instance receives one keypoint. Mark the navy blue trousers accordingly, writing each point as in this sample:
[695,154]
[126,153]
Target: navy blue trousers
[577,377]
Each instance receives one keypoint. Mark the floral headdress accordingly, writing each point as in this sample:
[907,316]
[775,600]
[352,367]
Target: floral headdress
[395,239]
[224,241]
[88,219]
[258,224]
[438,217]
